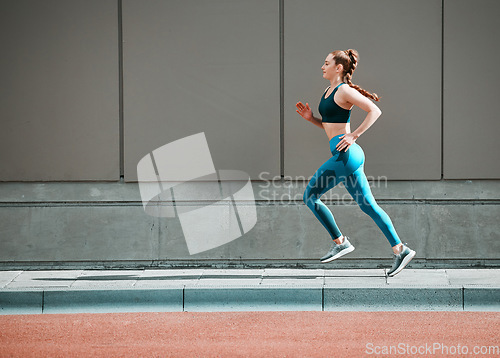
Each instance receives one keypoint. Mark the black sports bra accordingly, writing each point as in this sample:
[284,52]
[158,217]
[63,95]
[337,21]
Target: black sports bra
[330,111]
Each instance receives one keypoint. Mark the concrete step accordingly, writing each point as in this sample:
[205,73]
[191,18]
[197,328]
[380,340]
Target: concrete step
[78,291]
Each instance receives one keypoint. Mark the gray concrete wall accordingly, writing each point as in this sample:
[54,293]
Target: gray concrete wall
[203,66]
[192,66]
[214,67]
[449,223]
[59,94]
[471,119]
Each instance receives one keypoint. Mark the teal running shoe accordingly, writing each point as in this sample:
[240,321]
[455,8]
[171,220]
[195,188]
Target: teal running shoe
[401,260]
[338,250]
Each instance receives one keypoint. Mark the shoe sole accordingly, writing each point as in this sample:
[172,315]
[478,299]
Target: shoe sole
[340,254]
[405,262]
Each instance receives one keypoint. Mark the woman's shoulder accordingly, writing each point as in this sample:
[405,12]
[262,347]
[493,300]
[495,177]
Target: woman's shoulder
[345,88]
[346,93]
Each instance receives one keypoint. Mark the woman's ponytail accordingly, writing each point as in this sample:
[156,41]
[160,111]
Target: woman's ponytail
[349,60]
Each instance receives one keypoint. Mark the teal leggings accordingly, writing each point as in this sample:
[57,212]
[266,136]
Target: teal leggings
[347,167]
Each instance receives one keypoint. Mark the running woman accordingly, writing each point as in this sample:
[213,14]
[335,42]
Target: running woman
[347,162]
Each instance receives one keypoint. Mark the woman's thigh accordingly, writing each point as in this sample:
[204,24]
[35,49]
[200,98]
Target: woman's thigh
[325,178]
[355,159]
[358,186]
[335,170]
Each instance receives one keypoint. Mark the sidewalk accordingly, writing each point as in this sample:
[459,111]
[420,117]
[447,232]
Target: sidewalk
[175,290]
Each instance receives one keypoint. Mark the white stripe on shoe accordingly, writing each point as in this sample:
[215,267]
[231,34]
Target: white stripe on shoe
[340,254]
[405,262]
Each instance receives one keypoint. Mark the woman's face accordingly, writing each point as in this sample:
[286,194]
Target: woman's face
[329,68]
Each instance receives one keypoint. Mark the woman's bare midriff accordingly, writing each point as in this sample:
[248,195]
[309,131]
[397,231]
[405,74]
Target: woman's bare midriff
[334,129]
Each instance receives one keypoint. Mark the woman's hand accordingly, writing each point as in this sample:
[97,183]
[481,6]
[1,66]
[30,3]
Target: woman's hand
[304,111]
[346,141]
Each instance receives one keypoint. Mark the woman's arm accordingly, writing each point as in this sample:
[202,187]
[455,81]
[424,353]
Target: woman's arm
[306,113]
[351,95]
[317,122]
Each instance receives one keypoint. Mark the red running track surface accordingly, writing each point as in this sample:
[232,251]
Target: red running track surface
[251,334]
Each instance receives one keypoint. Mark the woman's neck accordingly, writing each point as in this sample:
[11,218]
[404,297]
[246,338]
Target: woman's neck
[335,82]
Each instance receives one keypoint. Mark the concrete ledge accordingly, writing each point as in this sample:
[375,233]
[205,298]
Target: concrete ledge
[265,289]
[449,223]
[118,300]
[97,191]
[394,299]
[21,302]
[255,298]
[266,298]
[481,299]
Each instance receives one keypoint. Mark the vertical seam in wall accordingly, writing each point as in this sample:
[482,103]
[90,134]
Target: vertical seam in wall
[463,298]
[442,89]
[43,300]
[323,297]
[282,88]
[120,89]
[233,203]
